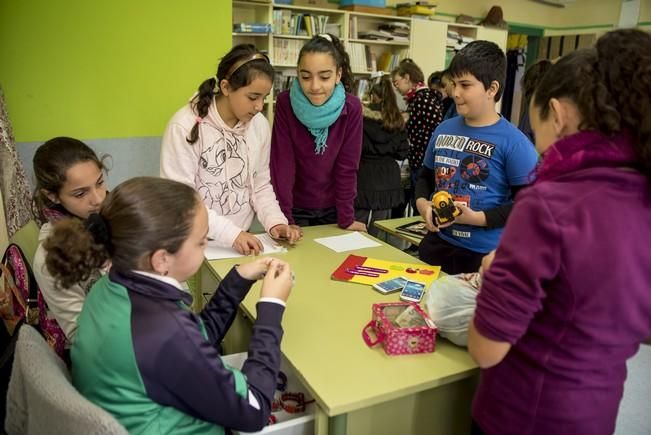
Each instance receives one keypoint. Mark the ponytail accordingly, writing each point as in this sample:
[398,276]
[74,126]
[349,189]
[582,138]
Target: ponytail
[392,119]
[328,43]
[73,256]
[200,104]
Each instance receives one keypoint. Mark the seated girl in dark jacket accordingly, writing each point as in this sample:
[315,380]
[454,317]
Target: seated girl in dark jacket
[385,140]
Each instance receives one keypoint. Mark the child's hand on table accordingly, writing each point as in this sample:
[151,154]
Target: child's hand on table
[246,243]
[278,280]
[291,233]
[357,226]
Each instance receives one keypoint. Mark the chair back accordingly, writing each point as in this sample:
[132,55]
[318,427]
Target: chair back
[41,396]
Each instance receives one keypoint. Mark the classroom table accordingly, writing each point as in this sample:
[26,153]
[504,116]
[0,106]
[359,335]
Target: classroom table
[390,225]
[361,390]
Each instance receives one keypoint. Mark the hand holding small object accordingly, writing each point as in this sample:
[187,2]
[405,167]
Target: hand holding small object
[425,210]
[246,243]
[444,208]
[278,280]
[254,270]
[469,216]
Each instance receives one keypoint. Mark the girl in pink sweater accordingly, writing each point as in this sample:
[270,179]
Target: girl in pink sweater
[219,144]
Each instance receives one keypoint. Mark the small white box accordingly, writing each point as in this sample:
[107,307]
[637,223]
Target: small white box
[287,424]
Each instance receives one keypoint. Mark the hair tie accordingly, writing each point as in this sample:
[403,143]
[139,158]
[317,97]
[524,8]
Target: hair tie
[326,36]
[199,119]
[99,228]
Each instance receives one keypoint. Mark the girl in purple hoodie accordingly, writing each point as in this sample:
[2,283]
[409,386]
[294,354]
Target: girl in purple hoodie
[566,300]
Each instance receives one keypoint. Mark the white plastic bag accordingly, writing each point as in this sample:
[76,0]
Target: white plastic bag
[451,302]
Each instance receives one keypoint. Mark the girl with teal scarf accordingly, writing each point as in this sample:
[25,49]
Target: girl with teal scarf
[317,138]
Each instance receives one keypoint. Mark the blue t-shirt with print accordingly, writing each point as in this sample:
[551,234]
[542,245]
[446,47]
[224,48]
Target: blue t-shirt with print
[478,166]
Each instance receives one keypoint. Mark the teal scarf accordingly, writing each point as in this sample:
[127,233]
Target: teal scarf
[317,119]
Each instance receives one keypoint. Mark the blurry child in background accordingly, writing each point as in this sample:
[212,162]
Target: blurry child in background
[379,188]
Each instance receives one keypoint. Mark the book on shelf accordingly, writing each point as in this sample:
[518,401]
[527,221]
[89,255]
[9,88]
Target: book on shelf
[286,51]
[388,61]
[252,28]
[283,81]
[305,24]
[361,88]
[360,56]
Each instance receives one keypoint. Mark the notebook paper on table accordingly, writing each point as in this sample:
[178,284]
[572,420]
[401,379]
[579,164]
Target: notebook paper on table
[347,242]
[214,252]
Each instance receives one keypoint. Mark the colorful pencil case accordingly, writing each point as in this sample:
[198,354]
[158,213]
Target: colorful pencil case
[418,337]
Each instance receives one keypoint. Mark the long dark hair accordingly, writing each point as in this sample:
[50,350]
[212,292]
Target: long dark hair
[237,77]
[139,217]
[610,84]
[392,119]
[532,77]
[408,66]
[327,43]
[51,162]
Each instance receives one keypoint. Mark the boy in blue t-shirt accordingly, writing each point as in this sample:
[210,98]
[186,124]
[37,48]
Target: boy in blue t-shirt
[480,158]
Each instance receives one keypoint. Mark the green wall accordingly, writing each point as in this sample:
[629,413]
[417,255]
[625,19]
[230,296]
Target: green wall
[105,69]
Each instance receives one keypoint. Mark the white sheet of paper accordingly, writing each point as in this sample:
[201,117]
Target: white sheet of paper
[347,242]
[214,252]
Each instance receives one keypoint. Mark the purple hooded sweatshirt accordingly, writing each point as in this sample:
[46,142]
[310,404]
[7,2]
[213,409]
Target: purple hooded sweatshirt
[570,289]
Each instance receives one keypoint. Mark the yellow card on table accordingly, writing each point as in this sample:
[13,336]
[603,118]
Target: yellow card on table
[369,271]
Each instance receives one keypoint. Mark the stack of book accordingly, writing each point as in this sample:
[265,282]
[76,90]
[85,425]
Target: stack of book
[252,28]
[399,30]
[393,31]
[457,41]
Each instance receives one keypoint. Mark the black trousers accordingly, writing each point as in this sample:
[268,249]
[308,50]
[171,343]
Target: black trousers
[452,259]
[307,217]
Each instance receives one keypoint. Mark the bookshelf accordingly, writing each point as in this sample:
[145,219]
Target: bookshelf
[292,25]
